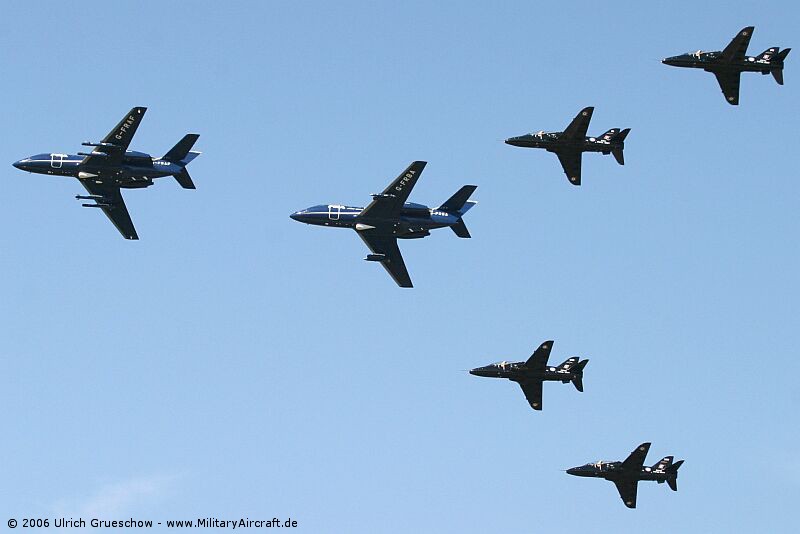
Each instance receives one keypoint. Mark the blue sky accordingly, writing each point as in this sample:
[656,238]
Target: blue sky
[234,363]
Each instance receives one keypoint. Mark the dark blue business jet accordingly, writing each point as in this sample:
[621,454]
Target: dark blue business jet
[110,166]
[389,218]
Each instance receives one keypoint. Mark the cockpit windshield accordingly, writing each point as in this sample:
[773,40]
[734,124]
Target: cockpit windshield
[503,364]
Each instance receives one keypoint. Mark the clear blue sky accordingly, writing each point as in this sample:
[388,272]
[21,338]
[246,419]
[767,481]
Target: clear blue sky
[236,363]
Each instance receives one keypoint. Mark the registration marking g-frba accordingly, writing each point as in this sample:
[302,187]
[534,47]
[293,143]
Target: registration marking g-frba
[404,180]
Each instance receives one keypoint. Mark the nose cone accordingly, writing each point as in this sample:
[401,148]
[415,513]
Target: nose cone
[521,141]
[581,471]
[301,216]
[19,165]
[673,61]
[488,370]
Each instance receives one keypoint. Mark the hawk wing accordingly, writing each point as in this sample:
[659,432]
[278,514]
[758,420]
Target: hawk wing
[729,83]
[627,490]
[736,50]
[533,392]
[579,125]
[538,360]
[571,163]
[635,460]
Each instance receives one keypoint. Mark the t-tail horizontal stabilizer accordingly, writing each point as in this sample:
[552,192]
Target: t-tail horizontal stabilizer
[460,204]
[181,150]
[619,145]
[181,154]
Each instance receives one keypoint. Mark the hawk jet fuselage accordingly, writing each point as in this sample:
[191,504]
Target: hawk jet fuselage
[570,144]
[627,474]
[727,65]
[531,373]
[110,166]
[389,218]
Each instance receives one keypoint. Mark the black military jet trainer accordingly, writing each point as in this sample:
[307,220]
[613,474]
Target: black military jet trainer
[572,142]
[729,64]
[110,166]
[389,218]
[626,475]
[530,374]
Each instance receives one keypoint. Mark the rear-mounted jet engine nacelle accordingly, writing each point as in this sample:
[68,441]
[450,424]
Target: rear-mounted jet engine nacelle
[89,143]
[375,257]
[138,183]
[414,235]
